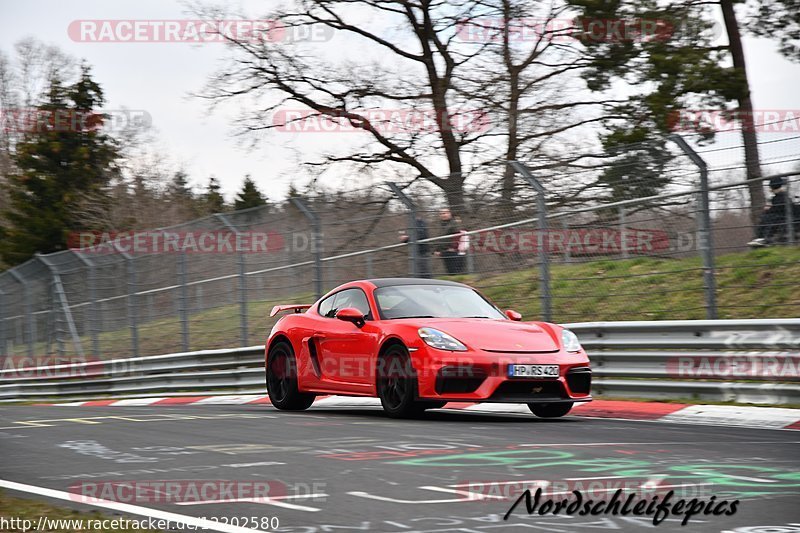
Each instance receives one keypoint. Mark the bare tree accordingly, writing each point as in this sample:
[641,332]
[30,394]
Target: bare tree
[511,92]
[749,135]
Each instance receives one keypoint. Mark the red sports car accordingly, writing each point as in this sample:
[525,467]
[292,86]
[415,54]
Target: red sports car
[417,344]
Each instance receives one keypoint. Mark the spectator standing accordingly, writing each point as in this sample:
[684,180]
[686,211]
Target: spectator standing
[452,249]
[773,220]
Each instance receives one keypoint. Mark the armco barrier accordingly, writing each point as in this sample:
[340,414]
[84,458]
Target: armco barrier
[748,361]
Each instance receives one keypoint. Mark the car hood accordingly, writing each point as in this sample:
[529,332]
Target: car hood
[496,335]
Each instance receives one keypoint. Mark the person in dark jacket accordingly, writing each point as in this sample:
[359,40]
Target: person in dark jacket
[423,262]
[773,220]
[448,248]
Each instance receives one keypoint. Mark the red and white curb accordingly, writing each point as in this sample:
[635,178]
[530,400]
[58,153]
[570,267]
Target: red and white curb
[718,415]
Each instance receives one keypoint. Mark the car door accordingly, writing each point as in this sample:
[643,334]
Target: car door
[346,351]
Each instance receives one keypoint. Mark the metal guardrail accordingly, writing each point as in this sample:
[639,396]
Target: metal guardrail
[747,361]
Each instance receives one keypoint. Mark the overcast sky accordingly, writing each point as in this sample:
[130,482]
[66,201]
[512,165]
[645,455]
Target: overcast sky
[159,77]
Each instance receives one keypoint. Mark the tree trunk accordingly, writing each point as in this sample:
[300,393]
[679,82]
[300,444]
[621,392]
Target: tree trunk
[509,174]
[749,136]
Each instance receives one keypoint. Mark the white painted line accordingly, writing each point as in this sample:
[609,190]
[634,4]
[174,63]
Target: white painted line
[136,401]
[708,422]
[277,501]
[227,400]
[369,496]
[599,477]
[743,478]
[537,482]
[498,408]
[543,482]
[659,443]
[128,508]
[469,494]
[344,401]
[733,415]
[564,493]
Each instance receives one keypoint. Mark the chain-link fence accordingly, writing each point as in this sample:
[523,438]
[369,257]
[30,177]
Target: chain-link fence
[646,235]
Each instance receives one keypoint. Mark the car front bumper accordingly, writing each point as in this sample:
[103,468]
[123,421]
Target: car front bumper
[479,376]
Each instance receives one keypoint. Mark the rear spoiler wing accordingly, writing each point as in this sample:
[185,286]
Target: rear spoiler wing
[296,307]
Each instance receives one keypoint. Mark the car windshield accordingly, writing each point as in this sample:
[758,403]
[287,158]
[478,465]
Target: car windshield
[433,301]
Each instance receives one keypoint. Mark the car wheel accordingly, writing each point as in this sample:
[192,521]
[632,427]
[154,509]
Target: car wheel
[282,380]
[550,410]
[397,385]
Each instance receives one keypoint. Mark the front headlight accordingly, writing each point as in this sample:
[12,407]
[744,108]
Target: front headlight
[570,341]
[440,340]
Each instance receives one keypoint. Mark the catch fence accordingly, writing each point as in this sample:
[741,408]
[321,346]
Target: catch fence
[630,239]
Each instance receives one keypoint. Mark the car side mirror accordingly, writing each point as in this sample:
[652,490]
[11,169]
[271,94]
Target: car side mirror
[513,315]
[351,314]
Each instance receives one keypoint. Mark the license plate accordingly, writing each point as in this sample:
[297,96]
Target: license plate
[533,371]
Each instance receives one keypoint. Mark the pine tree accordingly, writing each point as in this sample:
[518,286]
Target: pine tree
[215,202]
[63,168]
[249,196]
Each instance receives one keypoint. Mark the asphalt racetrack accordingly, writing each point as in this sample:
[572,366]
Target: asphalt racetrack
[346,469]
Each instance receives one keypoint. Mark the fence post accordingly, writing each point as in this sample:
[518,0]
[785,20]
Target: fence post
[183,301]
[133,313]
[61,297]
[93,314]
[704,237]
[28,309]
[368,260]
[544,259]
[413,248]
[623,233]
[3,343]
[241,267]
[789,214]
[315,228]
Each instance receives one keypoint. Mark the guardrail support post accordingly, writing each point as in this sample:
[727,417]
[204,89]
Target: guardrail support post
[26,287]
[317,243]
[567,247]
[93,314]
[61,298]
[133,312]
[544,259]
[241,267]
[413,248]
[704,238]
[183,301]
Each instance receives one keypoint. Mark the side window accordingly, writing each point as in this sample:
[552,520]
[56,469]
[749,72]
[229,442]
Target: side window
[326,306]
[354,298]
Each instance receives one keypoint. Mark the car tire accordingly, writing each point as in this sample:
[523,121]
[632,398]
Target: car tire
[397,384]
[550,410]
[281,378]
